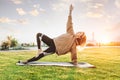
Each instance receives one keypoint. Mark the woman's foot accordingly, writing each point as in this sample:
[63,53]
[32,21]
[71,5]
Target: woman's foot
[23,62]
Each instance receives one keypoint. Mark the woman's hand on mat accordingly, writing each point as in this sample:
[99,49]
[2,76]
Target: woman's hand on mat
[74,63]
[39,51]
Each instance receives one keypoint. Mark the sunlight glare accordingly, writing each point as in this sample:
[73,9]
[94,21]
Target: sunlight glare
[79,48]
[104,39]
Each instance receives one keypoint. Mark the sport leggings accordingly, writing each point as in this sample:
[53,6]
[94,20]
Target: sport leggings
[48,41]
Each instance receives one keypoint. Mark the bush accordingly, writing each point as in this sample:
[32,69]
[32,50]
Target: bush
[5,45]
[90,44]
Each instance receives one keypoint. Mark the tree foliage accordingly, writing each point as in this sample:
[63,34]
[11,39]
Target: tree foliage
[14,43]
[10,42]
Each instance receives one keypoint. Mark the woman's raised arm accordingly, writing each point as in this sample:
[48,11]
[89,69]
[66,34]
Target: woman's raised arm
[69,27]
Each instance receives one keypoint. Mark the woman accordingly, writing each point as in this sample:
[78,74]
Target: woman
[62,44]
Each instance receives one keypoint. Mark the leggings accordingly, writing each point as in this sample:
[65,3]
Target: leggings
[48,41]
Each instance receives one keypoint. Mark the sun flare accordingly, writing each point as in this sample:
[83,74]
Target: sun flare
[103,39]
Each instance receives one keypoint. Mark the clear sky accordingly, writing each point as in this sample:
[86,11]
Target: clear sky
[22,19]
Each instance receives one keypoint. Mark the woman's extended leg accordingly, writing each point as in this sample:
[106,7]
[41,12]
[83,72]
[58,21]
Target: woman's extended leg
[44,53]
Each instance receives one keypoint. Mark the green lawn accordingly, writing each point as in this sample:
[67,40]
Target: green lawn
[107,61]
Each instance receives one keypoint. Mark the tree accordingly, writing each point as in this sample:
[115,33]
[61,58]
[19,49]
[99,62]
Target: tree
[14,42]
[10,42]
[5,45]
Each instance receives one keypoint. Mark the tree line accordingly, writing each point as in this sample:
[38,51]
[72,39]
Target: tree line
[11,42]
[104,44]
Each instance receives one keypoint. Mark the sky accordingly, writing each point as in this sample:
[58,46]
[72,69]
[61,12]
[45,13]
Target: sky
[23,19]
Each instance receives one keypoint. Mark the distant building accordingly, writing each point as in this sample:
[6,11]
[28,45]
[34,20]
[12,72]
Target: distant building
[92,42]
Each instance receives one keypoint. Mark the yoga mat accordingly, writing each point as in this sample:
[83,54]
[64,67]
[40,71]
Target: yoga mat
[64,64]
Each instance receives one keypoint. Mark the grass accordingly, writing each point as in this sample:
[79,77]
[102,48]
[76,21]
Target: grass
[107,61]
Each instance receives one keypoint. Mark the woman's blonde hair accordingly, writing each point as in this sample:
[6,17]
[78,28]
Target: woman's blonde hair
[81,40]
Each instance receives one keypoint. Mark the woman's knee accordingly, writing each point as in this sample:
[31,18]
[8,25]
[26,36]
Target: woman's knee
[38,34]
